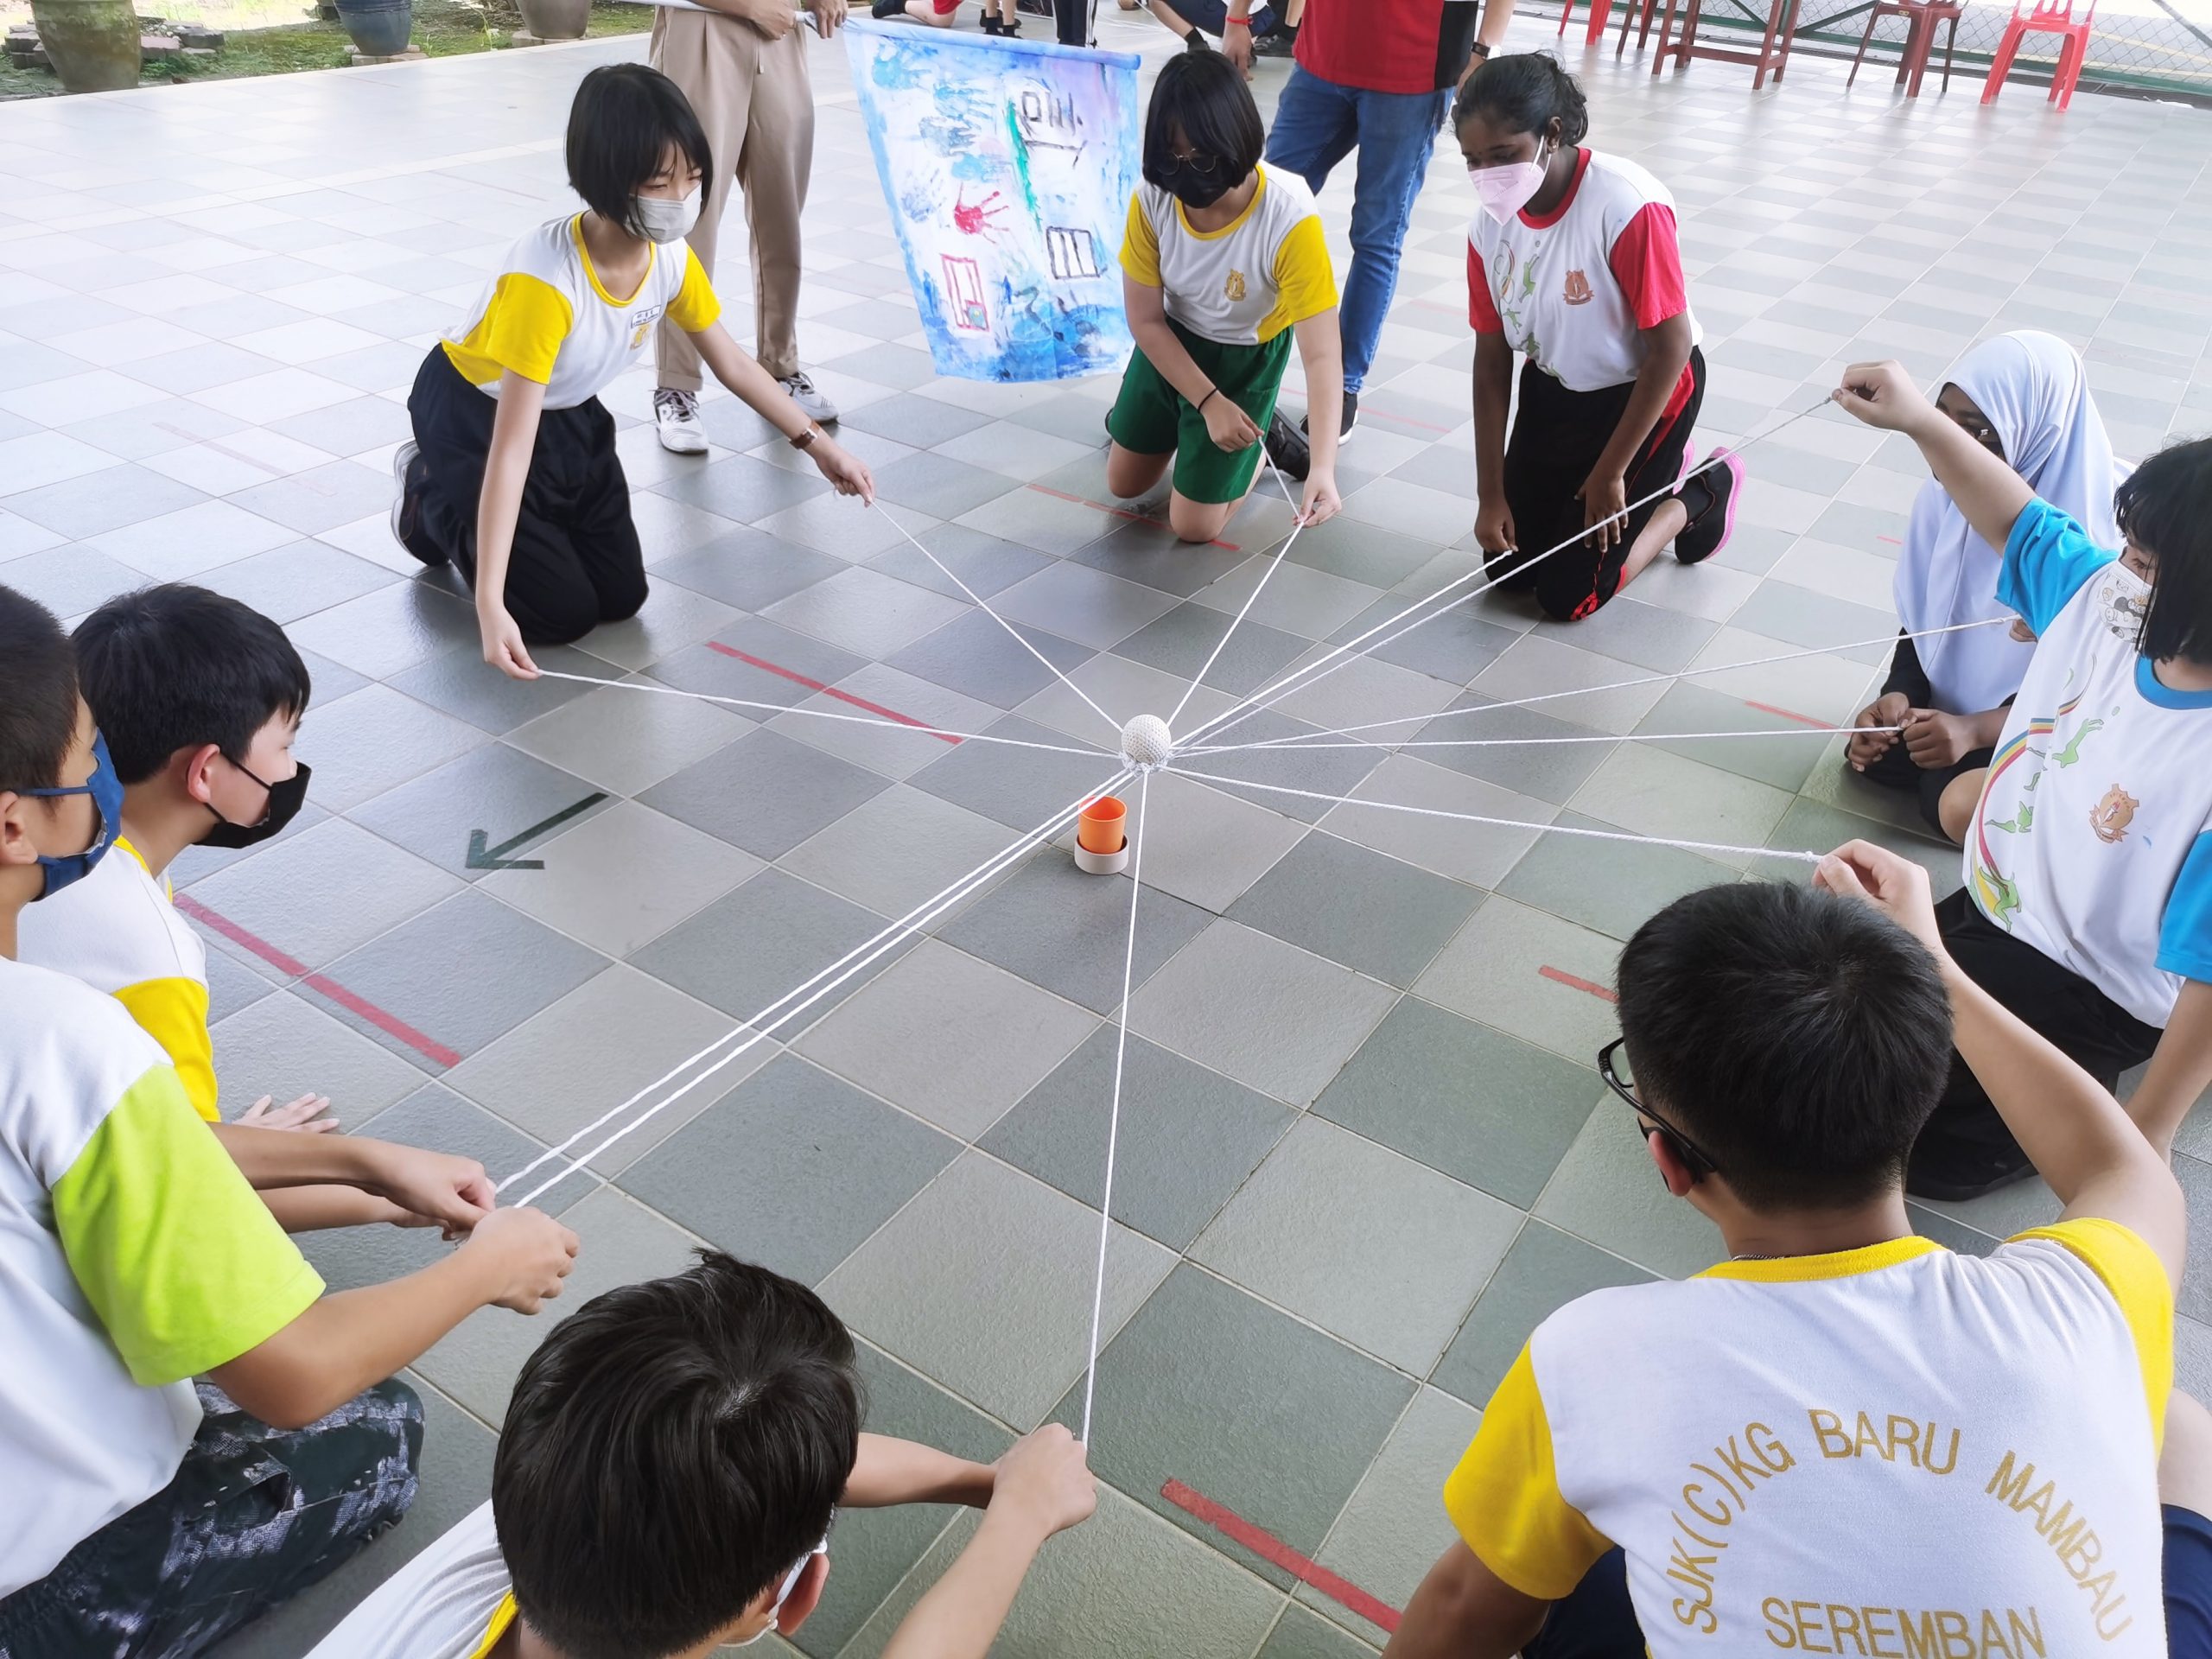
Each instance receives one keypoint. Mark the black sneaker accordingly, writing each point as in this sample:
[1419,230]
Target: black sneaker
[1277,43]
[1951,1169]
[408,475]
[1351,419]
[883,9]
[1287,451]
[1711,499]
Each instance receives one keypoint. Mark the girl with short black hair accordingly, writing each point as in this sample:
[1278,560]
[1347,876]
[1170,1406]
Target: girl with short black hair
[1574,265]
[513,476]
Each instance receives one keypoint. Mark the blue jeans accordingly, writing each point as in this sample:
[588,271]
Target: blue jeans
[1318,122]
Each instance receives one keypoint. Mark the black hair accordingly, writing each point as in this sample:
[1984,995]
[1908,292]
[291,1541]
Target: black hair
[1201,96]
[672,1451]
[1522,93]
[1800,1038]
[38,707]
[2165,507]
[174,666]
[620,128]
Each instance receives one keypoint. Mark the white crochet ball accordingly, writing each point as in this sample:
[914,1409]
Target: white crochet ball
[1146,742]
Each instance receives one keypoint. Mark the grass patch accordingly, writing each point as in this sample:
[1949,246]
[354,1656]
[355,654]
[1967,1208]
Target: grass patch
[442,28]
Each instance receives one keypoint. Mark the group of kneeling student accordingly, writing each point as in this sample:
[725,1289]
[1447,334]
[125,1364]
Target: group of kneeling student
[1843,1438]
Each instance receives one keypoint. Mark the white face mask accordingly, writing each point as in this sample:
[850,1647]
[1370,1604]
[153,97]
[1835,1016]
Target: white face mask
[665,220]
[790,1578]
[1504,191]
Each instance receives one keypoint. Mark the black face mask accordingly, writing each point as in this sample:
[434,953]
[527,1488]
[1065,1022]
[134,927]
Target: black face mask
[285,800]
[1192,185]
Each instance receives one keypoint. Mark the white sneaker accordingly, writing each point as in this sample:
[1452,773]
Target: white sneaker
[809,398]
[676,414]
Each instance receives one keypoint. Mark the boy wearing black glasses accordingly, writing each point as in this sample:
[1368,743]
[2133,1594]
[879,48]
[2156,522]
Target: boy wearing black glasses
[1843,1439]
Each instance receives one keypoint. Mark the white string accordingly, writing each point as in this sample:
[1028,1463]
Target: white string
[1269,696]
[1298,739]
[1297,525]
[1508,823]
[817,714]
[769,1017]
[1114,1113]
[983,606]
[1517,742]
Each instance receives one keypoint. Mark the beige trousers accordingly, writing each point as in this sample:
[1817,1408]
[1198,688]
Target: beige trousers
[753,97]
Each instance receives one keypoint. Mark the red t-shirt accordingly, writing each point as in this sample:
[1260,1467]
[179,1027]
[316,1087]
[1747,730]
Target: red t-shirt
[1388,46]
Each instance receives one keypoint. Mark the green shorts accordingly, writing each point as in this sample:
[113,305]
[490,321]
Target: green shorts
[1151,418]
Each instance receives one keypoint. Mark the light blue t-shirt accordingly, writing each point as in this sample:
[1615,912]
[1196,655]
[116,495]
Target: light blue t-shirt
[2092,837]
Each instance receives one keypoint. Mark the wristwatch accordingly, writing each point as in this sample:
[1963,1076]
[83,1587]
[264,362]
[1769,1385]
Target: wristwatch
[1480,49]
[805,439]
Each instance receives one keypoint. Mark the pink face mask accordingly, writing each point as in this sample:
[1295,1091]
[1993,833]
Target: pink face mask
[1504,191]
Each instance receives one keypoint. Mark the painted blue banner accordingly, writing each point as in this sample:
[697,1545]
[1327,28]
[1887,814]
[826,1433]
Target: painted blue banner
[1008,166]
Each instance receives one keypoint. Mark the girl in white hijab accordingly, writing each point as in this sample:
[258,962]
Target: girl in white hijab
[2025,398]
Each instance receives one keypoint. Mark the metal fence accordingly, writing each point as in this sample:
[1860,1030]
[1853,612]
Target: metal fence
[2139,46]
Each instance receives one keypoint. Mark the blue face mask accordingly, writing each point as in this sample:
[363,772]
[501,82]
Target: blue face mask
[106,791]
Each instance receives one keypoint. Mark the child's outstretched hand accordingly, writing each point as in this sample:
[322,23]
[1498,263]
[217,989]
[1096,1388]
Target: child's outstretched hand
[1322,503]
[1882,395]
[842,468]
[304,1115]
[1045,1478]
[1229,427]
[1889,881]
[503,645]
[526,1255]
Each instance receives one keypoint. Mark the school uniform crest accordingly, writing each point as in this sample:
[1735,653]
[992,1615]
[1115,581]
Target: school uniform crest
[1578,290]
[1232,287]
[2111,815]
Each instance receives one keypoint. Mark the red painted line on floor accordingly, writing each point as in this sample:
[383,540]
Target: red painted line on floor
[1118,513]
[1273,1550]
[1579,984]
[1892,540]
[1404,420]
[352,1002]
[794,676]
[1791,714]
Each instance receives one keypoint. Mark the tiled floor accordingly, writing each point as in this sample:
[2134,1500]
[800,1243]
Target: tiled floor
[1363,1148]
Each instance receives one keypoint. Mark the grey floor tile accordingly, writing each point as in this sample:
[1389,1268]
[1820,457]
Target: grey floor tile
[993,1314]
[1606,1192]
[1395,1527]
[948,1038]
[287,583]
[897,850]
[1557,991]
[865,720]
[1020,788]
[1188,1137]
[759,662]
[1545,1270]
[1191,636]
[747,568]
[1447,642]
[461,682]
[1206,1385]
[625,741]
[1377,1249]
[1643,788]
[1477,854]
[91,506]
[764,792]
[617,879]
[1784,762]
[978,658]
[1375,915]
[1057,927]
[1300,1635]
[938,485]
[1609,886]
[499,791]
[749,950]
[368,741]
[452,979]
[391,628]
[1265,1013]
[865,611]
[318,894]
[1152,556]
[291,1045]
[1079,603]
[232,986]
[972,562]
[1203,844]
[794,1170]
[1108,1587]
[1485,1109]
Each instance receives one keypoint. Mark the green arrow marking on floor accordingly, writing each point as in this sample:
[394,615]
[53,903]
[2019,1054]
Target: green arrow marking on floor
[482,857]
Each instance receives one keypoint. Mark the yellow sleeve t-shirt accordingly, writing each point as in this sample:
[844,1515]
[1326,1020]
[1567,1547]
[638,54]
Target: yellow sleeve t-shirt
[1892,1450]
[1267,271]
[133,1256]
[118,931]
[547,316]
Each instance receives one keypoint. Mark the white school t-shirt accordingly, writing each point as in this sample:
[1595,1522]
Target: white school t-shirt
[1572,289]
[2092,837]
[453,1601]
[547,316]
[1895,1450]
[1266,270]
[133,1256]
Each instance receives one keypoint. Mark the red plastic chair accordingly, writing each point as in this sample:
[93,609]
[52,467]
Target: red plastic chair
[2048,17]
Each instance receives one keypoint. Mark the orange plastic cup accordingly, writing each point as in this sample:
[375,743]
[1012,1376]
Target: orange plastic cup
[1099,830]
